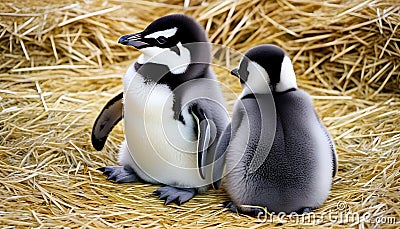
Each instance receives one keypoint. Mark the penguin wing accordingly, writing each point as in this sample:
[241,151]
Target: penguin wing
[219,159]
[105,122]
[334,157]
[331,144]
[204,136]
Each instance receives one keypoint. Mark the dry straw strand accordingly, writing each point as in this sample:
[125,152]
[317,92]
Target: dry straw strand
[60,63]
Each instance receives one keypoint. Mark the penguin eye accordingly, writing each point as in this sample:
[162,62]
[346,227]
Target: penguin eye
[161,40]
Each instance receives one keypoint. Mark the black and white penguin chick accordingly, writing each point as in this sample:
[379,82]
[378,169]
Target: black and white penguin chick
[173,112]
[279,155]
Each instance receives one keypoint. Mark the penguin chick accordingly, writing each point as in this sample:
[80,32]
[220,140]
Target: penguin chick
[279,155]
[173,112]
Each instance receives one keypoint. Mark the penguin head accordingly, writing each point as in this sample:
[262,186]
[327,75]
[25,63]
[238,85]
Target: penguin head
[166,36]
[266,66]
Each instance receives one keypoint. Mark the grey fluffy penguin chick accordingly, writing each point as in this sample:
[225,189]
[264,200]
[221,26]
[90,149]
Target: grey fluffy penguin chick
[279,155]
[173,112]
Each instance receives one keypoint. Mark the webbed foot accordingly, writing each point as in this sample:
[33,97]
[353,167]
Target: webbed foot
[247,210]
[119,174]
[304,210]
[177,195]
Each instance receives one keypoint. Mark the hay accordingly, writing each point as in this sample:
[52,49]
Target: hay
[60,63]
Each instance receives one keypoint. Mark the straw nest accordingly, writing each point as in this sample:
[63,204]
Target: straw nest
[60,64]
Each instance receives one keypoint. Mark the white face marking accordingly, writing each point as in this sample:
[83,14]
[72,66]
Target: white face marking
[288,77]
[177,64]
[258,80]
[165,33]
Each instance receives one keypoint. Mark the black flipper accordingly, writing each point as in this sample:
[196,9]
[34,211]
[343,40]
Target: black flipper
[105,122]
[334,161]
[204,136]
[219,161]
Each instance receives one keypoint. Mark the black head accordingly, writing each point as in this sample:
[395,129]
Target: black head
[167,32]
[274,61]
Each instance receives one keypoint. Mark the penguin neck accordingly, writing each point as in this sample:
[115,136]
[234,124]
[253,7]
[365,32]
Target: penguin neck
[284,92]
[161,74]
[177,58]
[274,93]
[248,96]
[176,65]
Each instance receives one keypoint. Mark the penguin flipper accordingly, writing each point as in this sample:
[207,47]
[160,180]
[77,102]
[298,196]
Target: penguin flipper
[219,160]
[331,144]
[204,136]
[334,161]
[105,122]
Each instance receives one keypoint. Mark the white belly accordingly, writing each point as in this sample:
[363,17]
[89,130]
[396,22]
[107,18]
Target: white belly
[162,147]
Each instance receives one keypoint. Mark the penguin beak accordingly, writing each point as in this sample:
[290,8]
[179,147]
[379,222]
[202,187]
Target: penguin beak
[134,40]
[235,72]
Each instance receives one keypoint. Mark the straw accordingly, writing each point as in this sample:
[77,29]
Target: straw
[60,63]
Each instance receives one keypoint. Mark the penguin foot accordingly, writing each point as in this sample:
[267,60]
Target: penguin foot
[177,195]
[247,210]
[304,210]
[119,174]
